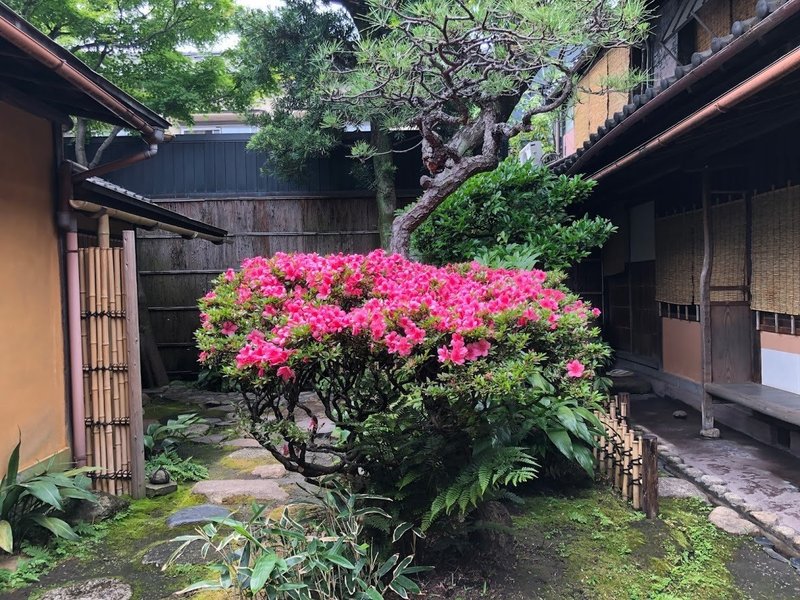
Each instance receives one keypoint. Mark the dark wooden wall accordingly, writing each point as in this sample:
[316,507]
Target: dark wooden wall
[216,179]
[175,272]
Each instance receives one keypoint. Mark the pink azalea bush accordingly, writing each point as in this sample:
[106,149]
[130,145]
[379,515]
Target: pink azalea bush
[422,370]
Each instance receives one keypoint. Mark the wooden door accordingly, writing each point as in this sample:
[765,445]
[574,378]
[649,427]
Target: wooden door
[731,343]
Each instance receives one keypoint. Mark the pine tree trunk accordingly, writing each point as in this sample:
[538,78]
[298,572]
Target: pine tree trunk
[385,191]
[80,142]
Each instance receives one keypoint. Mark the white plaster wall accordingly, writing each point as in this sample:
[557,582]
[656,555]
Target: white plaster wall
[780,370]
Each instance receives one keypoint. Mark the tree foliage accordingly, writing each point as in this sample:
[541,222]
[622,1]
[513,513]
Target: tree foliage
[455,70]
[136,45]
[518,210]
[276,59]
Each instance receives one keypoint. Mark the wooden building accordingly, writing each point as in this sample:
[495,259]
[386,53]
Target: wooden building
[69,345]
[699,171]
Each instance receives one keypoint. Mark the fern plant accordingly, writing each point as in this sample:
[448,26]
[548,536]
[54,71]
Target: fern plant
[484,478]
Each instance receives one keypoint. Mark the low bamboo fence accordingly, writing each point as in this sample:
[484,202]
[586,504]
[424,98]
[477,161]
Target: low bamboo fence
[105,368]
[628,459]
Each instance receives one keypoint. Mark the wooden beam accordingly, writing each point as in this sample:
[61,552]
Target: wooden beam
[707,406]
[134,367]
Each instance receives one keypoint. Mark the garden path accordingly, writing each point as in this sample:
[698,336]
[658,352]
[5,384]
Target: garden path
[760,482]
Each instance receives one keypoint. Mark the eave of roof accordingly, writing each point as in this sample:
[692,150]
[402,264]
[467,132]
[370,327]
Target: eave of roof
[106,194]
[48,60]
[768,14]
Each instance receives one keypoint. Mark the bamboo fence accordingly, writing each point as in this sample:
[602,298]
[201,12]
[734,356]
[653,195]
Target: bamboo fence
[105,368]
[626,458]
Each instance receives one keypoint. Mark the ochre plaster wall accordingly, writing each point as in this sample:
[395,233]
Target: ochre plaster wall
[681,348]
[781,342]
[593,105]
[32,380]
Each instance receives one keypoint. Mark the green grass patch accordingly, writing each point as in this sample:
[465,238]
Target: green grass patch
[611,552]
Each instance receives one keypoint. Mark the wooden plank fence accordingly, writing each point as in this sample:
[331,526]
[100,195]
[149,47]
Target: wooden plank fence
[174,274]
[628,459]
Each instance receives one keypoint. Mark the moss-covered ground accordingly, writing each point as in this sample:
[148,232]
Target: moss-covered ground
[589,545]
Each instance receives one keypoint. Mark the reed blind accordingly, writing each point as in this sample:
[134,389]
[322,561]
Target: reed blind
[679,255]
[776,251]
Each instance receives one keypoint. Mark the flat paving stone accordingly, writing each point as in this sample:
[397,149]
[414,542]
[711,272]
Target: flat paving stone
[106,588]
[274,471]
[252,453]
[675,487]
[211,440]
[243,443]
[196,514]
[220,491]
[160,554]
[729,520]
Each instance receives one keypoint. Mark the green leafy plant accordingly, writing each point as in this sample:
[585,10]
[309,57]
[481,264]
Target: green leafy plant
[27,505]
[180,469]
[323,555]
[516,216]
[160,438]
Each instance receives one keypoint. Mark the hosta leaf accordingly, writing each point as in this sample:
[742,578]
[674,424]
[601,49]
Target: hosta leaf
[6,537]
[561,440]
[567,418]
[45,491]
[584,458]
[58,527]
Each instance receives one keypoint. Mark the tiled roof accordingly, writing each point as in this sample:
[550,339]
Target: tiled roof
[763,10]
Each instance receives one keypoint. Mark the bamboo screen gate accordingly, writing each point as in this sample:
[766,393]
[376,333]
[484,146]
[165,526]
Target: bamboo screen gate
[112,389]
[626,458]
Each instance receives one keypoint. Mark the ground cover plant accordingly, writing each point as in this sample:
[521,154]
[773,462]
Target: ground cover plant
[515,215]
[445,386]
[320,553]
[29,505]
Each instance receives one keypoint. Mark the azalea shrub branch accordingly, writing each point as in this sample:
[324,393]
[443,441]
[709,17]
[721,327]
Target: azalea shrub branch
[456,69]
[419,371]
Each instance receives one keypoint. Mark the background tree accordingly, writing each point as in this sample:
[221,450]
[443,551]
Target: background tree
[455,69]
[275,58]
[136,45]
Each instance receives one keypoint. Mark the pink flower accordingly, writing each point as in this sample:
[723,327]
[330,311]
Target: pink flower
[478,349]
[596,312]
[286,373]
[210,295]
[229,328]
[229,275]
[575,368]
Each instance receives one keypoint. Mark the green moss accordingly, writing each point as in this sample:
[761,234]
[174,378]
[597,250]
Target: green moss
[611,552]
[163,410]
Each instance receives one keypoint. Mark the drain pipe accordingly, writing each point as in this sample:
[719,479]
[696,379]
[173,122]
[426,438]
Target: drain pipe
[117,164]
[782,67]
[68,223]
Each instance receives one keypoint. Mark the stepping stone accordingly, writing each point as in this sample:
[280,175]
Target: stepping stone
[729,520]
[214,438]
[197,429]
[221,491]
[94,589]
[243,443]
[160,554]
[274,471]
[675,487]
[196,514]
[252,453]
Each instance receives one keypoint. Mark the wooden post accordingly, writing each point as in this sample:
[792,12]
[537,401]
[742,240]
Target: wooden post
[707,428]
[649,474]
[134,370]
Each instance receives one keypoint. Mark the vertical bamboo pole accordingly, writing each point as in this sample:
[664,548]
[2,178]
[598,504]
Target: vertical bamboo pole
[650,475]
[636,472]
[134,371]
[626,465]
[97,451]
[87,385]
